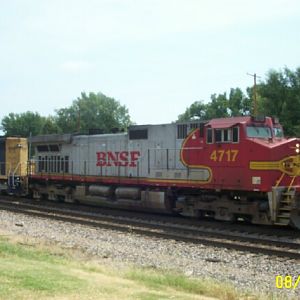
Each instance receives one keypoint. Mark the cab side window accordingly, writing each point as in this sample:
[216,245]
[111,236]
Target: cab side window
[223,135]
[209,136]
[235,134]
[218,135]
[227,135]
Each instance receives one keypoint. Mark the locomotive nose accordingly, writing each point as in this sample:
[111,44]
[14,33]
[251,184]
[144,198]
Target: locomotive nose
[291,165]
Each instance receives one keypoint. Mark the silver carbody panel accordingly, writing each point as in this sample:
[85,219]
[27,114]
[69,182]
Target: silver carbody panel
[158,154]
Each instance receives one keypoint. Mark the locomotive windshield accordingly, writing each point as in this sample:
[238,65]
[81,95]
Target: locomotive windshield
[278,132]
[259,132]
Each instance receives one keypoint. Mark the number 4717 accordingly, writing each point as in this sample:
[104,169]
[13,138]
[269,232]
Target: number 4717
[224,155]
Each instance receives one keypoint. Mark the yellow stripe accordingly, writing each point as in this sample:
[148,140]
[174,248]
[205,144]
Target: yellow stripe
[289,165]
[183,147]
[265,165]
[194,166]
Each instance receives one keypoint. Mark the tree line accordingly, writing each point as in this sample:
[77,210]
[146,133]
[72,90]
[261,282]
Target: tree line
[89,111]
[277,95]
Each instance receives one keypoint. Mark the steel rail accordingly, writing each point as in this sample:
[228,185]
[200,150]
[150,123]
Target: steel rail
[289,250]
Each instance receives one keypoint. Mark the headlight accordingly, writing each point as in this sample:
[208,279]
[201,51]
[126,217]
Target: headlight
[297,150]
[297,145]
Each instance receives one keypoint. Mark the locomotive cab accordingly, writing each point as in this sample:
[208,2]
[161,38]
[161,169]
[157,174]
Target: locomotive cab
[278,163]
[253,168]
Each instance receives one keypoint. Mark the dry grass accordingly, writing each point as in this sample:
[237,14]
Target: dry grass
[31,270]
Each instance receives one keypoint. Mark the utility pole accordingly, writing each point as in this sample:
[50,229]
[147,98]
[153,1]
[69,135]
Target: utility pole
[254,93]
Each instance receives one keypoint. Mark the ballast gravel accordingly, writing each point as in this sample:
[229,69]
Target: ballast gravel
[245,271]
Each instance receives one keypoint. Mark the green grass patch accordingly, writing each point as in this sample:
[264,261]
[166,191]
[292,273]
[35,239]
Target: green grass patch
[23,269]
[36,272]
[8,249]
[157,279]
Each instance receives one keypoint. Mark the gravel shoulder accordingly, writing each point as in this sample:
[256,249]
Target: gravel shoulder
[245,271]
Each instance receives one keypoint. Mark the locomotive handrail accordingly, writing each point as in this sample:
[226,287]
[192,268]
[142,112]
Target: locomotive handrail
[291,184]
[16,168]
[279,180]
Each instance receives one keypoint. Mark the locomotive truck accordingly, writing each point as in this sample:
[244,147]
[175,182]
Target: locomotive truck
[227,169]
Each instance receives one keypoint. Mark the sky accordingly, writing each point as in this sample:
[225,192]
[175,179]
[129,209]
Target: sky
[156,57]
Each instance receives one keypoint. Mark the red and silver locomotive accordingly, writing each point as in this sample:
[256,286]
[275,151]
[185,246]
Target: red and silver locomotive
[230,168]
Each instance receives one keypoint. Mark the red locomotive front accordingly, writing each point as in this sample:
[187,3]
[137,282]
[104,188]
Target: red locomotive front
[243,153]
[248,157]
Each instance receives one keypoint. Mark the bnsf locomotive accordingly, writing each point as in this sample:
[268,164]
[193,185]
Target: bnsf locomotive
[228,169]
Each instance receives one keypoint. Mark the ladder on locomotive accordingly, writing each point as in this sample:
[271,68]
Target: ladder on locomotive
[284,207]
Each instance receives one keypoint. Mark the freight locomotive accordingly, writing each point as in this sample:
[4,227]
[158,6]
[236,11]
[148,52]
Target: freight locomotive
[13,165]
[228,169]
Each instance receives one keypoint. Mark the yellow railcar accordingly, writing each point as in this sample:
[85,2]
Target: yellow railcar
[13,164]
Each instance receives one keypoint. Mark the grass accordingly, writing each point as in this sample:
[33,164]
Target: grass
[26,271]
[35,272]
[157,279]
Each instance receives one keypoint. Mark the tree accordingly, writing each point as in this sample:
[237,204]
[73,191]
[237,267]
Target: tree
[23,124]
[50,126]
[220,106]
[93,111]
[280,97]
[197,110]
[238,103]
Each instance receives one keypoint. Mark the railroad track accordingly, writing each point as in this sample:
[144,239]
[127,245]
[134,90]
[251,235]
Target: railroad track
[242,241]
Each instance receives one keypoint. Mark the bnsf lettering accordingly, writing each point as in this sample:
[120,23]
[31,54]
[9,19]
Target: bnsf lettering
[118,159]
